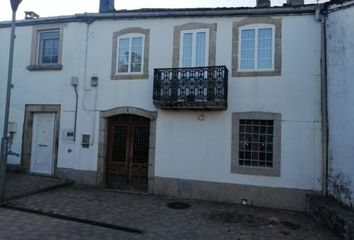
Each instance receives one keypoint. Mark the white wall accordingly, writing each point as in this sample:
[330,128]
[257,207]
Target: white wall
[200,150]
[185,147]
[340,35]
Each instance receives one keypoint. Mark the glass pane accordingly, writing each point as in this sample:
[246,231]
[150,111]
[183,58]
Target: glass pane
[247,49]
[200,49]
[187,50]
[123,55]
[49,47]
[136,58]
[265,48]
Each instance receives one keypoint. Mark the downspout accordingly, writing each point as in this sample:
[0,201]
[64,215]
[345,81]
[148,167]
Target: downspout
[76,105]
[321,17]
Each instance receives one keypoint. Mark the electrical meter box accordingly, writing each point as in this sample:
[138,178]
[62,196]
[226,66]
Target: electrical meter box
[85,142]
[12,127]
[68,135]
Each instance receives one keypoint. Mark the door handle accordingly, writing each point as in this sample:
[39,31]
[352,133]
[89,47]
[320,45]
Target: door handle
[42,145]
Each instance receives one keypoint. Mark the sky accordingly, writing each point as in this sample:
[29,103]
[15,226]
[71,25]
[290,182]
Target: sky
[46,8]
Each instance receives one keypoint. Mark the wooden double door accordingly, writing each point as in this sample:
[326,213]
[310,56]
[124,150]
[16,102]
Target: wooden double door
[128,152]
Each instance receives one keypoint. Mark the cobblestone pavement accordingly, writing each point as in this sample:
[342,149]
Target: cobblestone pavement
[20,184]
[16,225]
[203,220]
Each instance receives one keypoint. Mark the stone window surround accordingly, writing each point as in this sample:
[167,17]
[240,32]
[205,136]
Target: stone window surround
[249,170]
[34,65]
[277,23]
[30,110]
[102,144]
[130,76]
[194,26]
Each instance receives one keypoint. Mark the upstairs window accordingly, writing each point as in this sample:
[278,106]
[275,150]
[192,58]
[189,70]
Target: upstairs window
[256,48]
[194,45]
[194,48]
[130,53]
[48,47]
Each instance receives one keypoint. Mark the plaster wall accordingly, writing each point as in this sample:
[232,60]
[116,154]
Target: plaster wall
[340,52]
[186,147]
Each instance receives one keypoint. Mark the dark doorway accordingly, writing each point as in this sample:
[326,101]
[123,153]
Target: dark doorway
[128,152]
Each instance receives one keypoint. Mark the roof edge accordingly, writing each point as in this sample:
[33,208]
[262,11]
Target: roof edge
[170,13]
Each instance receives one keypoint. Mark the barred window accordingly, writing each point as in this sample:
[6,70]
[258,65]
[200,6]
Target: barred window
[256,143]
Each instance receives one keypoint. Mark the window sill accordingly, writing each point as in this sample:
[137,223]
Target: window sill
[255,73]
[130,77]
[56,67]
[257,171]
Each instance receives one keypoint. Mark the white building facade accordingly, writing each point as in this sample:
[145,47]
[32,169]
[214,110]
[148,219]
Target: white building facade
[214,104]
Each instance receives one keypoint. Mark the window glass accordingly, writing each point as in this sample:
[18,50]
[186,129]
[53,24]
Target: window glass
[256,143]
[200,49]
[194,49]
[136,55]
[48,47]
[256,49]
[247,48]
[187,50]
[265,48]
[123,55]
[130,54]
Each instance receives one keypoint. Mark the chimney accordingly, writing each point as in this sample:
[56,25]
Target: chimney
[263,3]
[294,2]
[106,6]
[31,15]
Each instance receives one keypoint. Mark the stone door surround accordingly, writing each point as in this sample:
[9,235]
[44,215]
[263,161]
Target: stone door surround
[102,144]
[30,110]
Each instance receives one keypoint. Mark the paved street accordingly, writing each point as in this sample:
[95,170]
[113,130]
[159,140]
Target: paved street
[203,220]
[19,184]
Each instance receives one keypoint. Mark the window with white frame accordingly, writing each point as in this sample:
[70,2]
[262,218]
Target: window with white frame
[48,47]
[130,53]
[194,48]
[256,47]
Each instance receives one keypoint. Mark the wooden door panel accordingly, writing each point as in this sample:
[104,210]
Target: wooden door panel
[128,152]
[140,144]
[119,143]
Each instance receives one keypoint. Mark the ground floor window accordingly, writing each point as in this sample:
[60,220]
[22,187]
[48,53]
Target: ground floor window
[256,143]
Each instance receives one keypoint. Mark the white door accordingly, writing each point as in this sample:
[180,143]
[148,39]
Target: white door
[42,160]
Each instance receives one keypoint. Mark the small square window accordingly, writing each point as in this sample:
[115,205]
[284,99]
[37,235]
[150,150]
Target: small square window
[256,143]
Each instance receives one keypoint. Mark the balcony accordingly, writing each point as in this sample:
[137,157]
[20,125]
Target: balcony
[199,88]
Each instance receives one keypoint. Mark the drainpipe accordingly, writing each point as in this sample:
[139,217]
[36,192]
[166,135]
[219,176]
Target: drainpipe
[321,17]
[74,83]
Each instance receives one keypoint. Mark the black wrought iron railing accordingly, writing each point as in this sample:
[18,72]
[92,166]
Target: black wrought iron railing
[191,88]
